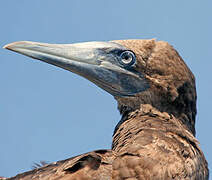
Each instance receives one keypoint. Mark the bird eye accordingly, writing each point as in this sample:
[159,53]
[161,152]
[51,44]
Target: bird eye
[127,58]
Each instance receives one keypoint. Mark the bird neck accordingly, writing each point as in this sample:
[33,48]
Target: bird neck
[136,127]
[181,104]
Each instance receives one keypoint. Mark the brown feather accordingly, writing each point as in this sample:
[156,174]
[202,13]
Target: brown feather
[94,165]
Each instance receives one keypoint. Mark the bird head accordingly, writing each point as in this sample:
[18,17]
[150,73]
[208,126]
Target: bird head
[135,72]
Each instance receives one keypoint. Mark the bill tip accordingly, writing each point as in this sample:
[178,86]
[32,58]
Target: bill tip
[12,45]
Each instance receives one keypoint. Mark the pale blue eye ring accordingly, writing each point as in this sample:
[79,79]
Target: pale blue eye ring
[127,58]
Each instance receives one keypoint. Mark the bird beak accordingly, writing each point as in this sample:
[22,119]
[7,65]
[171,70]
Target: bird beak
[96,61]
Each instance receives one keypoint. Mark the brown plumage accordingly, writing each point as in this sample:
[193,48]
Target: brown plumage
[155,138]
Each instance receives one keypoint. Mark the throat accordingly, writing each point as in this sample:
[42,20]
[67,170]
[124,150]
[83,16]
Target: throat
[139,126]
[183,107]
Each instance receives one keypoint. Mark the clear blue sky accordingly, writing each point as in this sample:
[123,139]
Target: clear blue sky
[47,113]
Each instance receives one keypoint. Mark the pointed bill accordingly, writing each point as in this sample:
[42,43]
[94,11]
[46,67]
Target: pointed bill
[96,61]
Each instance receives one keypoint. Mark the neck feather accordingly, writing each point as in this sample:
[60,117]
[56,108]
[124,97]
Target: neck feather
[182,105]
[148,119]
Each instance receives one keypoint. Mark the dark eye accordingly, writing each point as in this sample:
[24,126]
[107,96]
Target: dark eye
[127,58]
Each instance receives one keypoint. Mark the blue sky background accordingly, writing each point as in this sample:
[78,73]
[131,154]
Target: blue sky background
[47,113]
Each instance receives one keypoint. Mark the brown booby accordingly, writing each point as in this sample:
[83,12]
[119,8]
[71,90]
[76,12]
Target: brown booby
[156,96]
